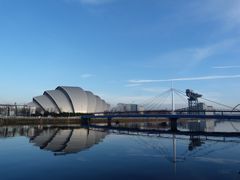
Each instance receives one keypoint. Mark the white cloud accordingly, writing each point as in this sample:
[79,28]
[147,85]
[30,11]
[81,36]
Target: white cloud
[85,76]
[226,67]
[185,79]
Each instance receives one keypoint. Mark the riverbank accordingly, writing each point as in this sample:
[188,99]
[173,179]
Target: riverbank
[4,121]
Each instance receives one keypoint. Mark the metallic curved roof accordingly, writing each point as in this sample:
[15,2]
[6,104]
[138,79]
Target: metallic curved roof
[65,99]
[46,104]
[78,97]
[99,107]
[59,98]
[92,101]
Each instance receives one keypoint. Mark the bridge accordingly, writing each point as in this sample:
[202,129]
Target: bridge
[144,114]
[86,119]
[191,110]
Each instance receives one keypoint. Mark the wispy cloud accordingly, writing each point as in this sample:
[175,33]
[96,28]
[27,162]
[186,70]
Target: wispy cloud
[225,12]
[92,2]
[85,76]
[133,85]
[226,67]
[154,90]
[185,79]
[192,56]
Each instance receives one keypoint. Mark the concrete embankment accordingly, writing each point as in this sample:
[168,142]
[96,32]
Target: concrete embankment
[68,120]
[38,120]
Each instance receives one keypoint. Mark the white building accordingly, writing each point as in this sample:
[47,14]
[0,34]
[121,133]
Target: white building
[65,99]
[126,108]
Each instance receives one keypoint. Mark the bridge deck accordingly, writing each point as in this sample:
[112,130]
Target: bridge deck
[168,116]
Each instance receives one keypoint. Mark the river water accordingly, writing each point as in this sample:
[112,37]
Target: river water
[74,152]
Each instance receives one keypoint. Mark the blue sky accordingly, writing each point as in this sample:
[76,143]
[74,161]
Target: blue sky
[123,50]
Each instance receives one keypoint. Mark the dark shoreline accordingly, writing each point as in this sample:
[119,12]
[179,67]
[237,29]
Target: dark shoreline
[4,121]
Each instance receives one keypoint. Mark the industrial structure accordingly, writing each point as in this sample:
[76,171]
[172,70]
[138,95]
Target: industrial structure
[65,99]
[194,106]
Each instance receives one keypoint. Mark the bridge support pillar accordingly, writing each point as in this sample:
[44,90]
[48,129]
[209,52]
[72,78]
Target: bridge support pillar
[8,110]
[109,121]
[173,123]
[85,121]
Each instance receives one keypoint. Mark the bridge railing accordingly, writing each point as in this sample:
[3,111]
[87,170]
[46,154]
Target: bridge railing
[184,112]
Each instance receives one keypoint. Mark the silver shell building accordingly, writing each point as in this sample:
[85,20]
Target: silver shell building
[66,99]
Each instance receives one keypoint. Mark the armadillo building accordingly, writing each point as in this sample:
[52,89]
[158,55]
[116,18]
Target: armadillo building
[66,99]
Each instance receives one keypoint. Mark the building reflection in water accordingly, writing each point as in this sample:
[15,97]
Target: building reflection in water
[65,141]
[60,140]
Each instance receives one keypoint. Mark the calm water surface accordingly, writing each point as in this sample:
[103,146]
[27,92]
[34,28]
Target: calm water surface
[74,152]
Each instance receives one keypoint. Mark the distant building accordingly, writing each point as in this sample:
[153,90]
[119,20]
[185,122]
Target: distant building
[14,110]
[121,107]
[204,107]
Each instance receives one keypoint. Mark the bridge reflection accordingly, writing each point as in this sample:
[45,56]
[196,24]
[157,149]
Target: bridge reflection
[63,140]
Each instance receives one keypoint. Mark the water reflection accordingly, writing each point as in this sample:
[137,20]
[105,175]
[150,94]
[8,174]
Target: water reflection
[64,140]
[210,125]
[60,140]
[138,153]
